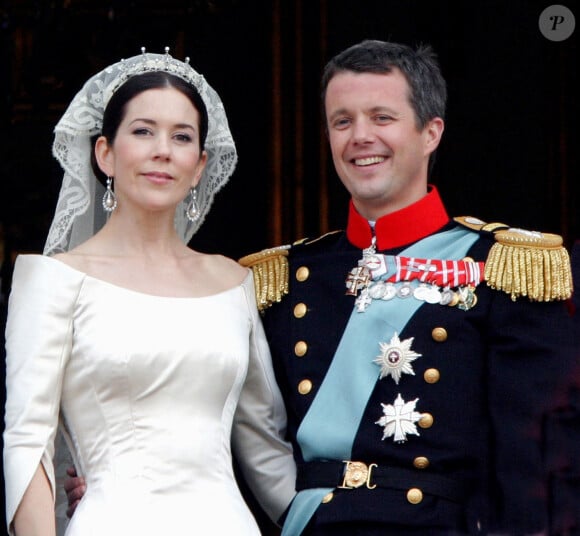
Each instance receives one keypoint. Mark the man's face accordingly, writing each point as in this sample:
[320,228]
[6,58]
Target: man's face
[378,152]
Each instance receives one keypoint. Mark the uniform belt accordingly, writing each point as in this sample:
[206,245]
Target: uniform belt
[352,474]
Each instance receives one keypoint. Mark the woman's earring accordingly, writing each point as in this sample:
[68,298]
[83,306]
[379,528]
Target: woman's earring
[192,211]
[109,199]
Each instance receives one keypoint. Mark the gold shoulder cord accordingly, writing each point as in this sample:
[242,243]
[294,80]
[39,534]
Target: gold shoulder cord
[270,269]
[535,265]
[526,263]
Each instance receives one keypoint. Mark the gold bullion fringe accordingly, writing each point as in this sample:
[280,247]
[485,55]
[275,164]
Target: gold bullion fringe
[270,269]
[536,266]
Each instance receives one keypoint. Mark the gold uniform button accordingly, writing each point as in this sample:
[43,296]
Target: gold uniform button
[432,375]
[467,259]
[420,462]
[426,420]
[300,348]
[439,334]
[327,498]
[299,310]
[414,495]
[302,273]
[304,387]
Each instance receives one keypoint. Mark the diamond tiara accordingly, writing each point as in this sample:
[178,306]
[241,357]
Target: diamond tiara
[146,63]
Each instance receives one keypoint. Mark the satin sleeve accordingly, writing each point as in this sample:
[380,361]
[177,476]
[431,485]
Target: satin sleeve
[39,333]
[258,435]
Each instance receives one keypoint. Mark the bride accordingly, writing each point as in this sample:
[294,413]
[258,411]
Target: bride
[149,354]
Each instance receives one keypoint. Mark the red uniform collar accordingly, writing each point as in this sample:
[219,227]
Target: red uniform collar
[401,227]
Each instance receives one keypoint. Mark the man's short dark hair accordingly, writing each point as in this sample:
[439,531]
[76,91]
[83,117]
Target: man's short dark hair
[427,88]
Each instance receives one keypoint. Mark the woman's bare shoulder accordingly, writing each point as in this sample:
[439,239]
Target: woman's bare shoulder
[86,258]
[225,268]
[72,259]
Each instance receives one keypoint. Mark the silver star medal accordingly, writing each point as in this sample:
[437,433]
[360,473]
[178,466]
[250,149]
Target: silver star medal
[399,419]
[396,357]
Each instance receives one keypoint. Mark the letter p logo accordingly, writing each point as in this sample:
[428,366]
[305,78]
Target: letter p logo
[557,23]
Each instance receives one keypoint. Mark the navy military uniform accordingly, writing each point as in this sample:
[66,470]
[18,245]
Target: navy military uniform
[450,440]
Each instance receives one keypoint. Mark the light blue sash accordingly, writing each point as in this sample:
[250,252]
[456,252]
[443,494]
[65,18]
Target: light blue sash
[330,425]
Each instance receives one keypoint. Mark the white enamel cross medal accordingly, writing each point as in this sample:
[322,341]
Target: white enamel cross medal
[399,419]
[356,279]
[360,277]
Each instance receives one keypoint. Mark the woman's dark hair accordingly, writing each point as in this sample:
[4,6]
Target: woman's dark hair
[117,106]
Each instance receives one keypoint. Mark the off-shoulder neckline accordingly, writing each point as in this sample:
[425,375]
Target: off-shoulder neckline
[242,284]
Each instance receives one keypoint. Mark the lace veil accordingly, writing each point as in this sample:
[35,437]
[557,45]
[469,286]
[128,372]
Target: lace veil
[79,213]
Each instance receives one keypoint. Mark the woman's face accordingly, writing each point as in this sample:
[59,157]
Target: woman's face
[155,158]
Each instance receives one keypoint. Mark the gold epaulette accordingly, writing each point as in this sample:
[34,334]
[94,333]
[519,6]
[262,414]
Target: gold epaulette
[525,263]
[270,269]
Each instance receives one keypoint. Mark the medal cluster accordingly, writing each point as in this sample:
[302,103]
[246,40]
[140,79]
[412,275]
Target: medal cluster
[434,281]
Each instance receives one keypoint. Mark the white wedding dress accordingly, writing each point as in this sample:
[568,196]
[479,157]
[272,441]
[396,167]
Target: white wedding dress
[150,390]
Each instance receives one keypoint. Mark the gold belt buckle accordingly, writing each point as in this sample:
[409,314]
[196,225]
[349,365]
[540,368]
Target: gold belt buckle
[357,474]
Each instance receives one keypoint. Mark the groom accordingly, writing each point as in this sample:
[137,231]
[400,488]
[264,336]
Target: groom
[422,359]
